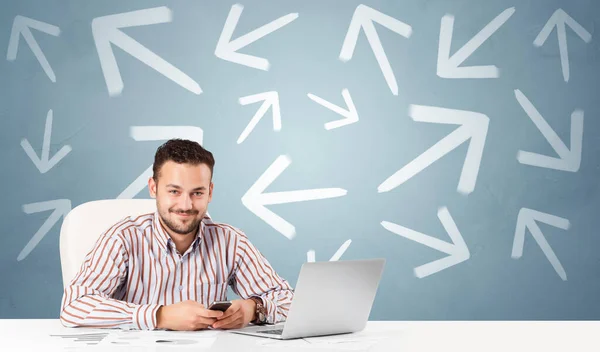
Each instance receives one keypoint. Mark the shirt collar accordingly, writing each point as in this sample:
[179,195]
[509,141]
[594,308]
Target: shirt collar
[163,238]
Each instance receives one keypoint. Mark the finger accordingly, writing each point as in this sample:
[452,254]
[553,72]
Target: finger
[236,324]
[227,320]
[229,312]
[209,313]
[204,320]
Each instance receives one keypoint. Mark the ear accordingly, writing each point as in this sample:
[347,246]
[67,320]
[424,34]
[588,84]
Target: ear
[152,187]
[210,191]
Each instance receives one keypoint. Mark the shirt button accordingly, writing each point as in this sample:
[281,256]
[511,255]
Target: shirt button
[180,288]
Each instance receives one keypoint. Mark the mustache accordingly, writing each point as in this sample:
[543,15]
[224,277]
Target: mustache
[188,212]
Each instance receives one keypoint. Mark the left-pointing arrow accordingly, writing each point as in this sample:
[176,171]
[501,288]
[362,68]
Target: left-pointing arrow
[60,206]
[44,162]
[106,32]
[22,26]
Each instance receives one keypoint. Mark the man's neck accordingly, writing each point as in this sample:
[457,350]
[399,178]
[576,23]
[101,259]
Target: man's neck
[182,242]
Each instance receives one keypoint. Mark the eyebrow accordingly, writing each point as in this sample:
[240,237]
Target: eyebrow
[201,188]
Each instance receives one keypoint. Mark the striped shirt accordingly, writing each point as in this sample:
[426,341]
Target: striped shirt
[134,268]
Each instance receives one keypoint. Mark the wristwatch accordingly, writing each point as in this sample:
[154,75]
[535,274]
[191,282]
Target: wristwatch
[261,311]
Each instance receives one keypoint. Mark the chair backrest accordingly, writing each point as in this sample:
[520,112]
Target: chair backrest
[84,224]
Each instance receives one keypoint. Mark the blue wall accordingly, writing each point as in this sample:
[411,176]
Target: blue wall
[487,197]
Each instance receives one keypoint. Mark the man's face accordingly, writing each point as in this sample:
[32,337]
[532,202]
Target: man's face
[182,194]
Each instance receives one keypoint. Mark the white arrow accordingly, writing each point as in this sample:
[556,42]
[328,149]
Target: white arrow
[269,99]
[44,163]
[22,26]
[227,49]
[350,114]
[559,20]
[457,251]
[474,126]
[568,160]
[157,133]
[255,200]
[106,32]
[60,206]
[310,255]
[448,66]
[364,17]
[528,218]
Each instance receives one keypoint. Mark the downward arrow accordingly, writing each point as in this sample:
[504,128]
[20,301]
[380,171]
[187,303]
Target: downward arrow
[364,17]
[350,114]
[21,26]
[44,163]
[448,66]
[474,126]
[106,32]
[255,199]
[269,99]
[310,255]
[60,206]
[560,19]
[568,160]
[227,49]
[457,251]
[527,219]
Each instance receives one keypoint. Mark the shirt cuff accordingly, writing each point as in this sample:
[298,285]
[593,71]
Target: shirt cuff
[144,316]
[271,310]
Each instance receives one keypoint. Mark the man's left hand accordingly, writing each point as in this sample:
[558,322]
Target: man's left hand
[238,315]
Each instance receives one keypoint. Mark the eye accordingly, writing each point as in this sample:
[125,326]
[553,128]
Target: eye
[198,194]
[173,191]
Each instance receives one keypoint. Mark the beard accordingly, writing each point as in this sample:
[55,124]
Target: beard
[180,227]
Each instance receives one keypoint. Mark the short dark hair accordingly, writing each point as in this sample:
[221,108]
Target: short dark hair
[182,151]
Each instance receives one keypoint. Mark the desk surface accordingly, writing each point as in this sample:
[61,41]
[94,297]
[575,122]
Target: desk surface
[50,335]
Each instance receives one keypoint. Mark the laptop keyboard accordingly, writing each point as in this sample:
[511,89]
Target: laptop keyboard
[273,331]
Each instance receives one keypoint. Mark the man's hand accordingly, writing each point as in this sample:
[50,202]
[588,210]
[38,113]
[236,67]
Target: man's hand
[188,315]
[238,315]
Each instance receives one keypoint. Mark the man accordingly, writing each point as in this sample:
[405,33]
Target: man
[163,270]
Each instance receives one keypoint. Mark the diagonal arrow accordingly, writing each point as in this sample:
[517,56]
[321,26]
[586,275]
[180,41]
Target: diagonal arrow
[448,66]
[560,19]
[364,17]
[22,26]
[457,251]
[44,163]
[474,127]
[350,114]
[157,133]
[527,219]
[269,99]
[227,49]
[255,199]
[310,255]
[106,32]
[60,206]
[568,160]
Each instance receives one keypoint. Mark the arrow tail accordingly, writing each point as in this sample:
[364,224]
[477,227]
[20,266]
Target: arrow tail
[338,254]
[419,237]
[262,31]
[300,196]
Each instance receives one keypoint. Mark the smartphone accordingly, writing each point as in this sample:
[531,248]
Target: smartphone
[220,305]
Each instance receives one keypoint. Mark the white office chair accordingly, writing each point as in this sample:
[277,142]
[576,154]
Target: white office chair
[85,223]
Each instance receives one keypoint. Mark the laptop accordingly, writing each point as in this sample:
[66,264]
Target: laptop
[330,298]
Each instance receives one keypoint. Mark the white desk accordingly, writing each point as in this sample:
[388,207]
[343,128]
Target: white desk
[50,335]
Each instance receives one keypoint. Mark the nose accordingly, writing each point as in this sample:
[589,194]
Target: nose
[186,202]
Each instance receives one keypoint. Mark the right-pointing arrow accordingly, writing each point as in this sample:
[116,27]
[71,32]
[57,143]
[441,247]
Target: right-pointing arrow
[448,66]
[560,19]
[527,219]
[106,32]
[457,251]
[568,160]
[474,127]
[255,199]
[311,258]
[269,99]
[60,208]
[350,114]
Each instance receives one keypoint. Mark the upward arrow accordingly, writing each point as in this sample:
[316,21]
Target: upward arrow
[21,26]
[559,20]
[364,17]
[106,32]
[269,99]
[527,219]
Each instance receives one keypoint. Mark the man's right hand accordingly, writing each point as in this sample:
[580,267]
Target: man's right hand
[187,315]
